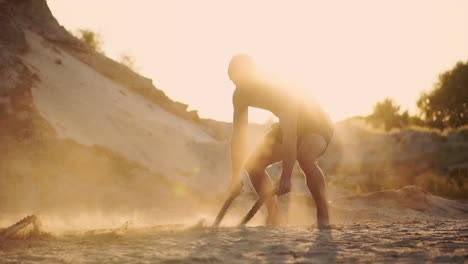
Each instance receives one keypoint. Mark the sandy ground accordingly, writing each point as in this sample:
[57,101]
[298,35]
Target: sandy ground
[370,242]
[407,225]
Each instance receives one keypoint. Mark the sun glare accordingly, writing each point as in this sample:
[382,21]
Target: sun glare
[346,56]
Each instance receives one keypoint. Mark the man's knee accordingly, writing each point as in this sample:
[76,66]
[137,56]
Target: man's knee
[254,167]
[306,161]
[313,174]
[308,166]
[258,177]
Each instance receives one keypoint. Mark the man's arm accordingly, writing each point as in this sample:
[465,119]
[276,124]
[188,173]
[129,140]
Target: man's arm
[289,148]
[238,142]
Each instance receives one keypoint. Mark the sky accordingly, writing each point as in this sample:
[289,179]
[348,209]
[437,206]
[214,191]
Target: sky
[347,54]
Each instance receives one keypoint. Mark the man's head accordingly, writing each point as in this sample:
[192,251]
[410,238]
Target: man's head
[241,68]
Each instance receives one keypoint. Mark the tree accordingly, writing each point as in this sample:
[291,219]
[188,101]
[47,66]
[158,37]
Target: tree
[447,104]
[91,38]
[386,113]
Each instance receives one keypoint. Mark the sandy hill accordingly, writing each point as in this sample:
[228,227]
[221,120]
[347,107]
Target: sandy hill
[71,118]
[414,156]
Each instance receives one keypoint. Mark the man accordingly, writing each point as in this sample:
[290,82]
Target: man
[303,134]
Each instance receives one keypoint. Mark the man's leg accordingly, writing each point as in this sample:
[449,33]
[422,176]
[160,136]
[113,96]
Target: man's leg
[265,154]
[311,147]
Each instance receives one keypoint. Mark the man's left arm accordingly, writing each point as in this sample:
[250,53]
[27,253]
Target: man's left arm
[289,148]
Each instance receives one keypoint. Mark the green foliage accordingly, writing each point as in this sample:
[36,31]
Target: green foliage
[446,106]
[385,113]
[444,185]
[128,61]
[379,177]
[91,38]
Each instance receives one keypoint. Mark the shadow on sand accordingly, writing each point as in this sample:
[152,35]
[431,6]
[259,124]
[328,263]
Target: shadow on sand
[323,249]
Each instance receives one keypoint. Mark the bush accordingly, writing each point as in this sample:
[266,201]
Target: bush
[91,38]
[444,184]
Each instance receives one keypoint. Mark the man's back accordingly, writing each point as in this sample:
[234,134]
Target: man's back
[263,92]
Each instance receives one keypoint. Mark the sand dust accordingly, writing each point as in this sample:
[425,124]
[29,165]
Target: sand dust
[413,241]
[405,225]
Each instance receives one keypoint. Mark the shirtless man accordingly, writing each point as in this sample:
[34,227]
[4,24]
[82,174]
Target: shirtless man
[303,134]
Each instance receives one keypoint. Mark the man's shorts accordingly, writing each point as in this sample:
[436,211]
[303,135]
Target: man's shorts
[276,135]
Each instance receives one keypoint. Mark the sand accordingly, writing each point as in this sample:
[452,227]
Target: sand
[407,225]
[370,242]
[83,105]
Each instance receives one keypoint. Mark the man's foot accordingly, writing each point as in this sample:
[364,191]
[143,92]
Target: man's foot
[323,222]
[274,217]
[274,220]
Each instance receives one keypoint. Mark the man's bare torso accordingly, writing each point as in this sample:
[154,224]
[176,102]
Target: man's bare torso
[285,103]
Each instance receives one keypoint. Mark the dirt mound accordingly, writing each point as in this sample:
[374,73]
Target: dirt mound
[410,202]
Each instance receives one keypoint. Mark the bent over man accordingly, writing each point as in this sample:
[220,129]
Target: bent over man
[303,134]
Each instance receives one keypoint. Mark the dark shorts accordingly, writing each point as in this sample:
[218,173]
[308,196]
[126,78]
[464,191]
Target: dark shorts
[276,135]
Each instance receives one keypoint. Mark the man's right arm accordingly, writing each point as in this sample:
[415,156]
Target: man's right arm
[238,141]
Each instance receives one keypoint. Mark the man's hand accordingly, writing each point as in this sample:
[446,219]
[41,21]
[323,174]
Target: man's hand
[284,186]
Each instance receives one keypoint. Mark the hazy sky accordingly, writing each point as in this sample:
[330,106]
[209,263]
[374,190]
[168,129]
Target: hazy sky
[348,54]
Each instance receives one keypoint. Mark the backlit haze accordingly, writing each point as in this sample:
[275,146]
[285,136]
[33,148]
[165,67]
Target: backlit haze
[348,54]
